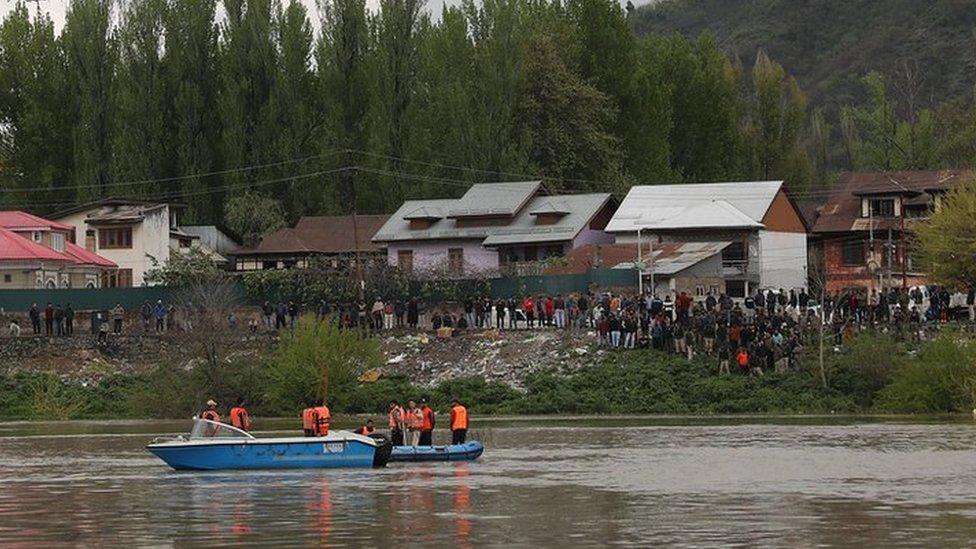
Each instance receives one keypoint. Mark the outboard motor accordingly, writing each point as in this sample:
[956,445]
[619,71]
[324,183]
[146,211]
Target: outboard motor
[383,449]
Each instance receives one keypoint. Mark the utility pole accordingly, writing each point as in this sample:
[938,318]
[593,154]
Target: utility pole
[890,248]
[823,319]
[650,259]
[640,267]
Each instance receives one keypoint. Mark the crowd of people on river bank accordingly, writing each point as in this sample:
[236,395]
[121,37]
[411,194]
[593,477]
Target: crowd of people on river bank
[410,426]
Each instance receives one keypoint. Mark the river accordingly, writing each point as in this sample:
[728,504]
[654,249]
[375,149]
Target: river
[798,482]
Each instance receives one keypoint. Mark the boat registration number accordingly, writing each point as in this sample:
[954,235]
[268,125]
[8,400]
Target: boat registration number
[333,447]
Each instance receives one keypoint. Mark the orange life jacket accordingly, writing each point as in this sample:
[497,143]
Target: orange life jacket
[428,419]
[211,415]
[322,417]
[308,419]
[415,419]
[459,417]
[396,417]
[239,418]
[364,430]
[743,359]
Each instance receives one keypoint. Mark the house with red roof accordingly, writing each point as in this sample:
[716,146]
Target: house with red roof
[38,253]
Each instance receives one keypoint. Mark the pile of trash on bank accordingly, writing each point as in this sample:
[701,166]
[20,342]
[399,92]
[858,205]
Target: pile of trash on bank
[505,356]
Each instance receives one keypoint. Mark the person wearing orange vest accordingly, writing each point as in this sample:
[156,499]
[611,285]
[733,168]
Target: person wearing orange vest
[395,416]
[427,424]
[210,413]
[239,417]
[459,422]
[414,420]
[366,429]
[308,419]
[322,418]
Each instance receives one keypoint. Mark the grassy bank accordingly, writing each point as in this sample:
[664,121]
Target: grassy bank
[874,374]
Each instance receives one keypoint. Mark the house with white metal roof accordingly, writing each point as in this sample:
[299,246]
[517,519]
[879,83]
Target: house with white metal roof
[492,227]
[765,233]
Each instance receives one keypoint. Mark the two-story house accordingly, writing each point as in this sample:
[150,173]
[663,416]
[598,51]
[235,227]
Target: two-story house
[862,234]
[493,227]
[134,234]
[755,226]
[38,253]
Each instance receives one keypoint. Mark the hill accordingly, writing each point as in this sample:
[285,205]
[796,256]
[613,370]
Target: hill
[828,45]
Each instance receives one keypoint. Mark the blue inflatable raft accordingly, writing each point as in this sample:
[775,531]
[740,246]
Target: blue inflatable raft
[468,451]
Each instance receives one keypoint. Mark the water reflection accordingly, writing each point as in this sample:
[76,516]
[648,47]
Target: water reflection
[783,485]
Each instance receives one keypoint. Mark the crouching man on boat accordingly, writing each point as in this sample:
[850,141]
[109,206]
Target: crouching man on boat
[366,429]
[459,422]
[210,413]
[239,417]
[322,417]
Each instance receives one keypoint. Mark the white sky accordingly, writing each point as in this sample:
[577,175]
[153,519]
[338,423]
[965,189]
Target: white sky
[57,7]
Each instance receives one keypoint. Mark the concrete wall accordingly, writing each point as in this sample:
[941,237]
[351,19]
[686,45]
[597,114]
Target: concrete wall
[782,260]
[433,255]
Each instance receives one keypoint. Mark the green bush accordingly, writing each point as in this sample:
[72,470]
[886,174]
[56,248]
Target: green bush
[941,379]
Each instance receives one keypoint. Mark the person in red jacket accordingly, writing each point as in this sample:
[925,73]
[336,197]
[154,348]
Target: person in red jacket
[459,422]
[528,307]
[426,424]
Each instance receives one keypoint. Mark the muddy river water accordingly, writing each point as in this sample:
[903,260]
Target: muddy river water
[798,482]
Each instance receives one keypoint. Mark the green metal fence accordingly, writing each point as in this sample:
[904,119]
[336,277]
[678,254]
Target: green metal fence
[82,299]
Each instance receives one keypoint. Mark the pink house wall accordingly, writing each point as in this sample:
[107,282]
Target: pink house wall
[590,236]
[433,254]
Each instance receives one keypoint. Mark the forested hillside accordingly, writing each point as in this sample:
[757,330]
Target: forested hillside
[240,110]
[829,45]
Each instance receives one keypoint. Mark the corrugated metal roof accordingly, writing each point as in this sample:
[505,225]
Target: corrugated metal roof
[672,258]
[322,234]
[521,229]
[700,205]
[18,220]
[14,247]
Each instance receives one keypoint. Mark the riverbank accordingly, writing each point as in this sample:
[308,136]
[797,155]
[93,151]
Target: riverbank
[524,373]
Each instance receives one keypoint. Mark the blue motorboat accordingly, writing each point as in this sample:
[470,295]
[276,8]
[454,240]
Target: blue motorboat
[468,451]
[212,446]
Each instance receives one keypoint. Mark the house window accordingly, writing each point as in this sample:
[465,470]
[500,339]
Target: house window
[554,250]
[735,288]
[882,207]
[852,252]
[405,261]
[36,236]
[185,242]
[118,238]
[699,291]
[57,242]
[121,278]
[531,253]
[7,278]
[455,260]
[269,265]
[90,240]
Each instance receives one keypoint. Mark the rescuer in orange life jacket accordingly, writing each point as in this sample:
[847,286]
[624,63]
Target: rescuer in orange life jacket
[239,417]
[366,429]
[395,415]
[322,418]
[210,412]
[308,418]
[459,422]
[426,424]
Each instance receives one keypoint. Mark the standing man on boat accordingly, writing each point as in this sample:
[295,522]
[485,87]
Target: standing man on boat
[427,424]
[414,421]
[322,418]
[395,415]
[459,422]
[308,418]
[239,417]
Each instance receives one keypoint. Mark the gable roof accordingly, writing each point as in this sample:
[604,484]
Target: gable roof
[521,228]
[22,221]
[695,205]
[14,247]
[502,199]
[842,210]
[323,235]
[82,256]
